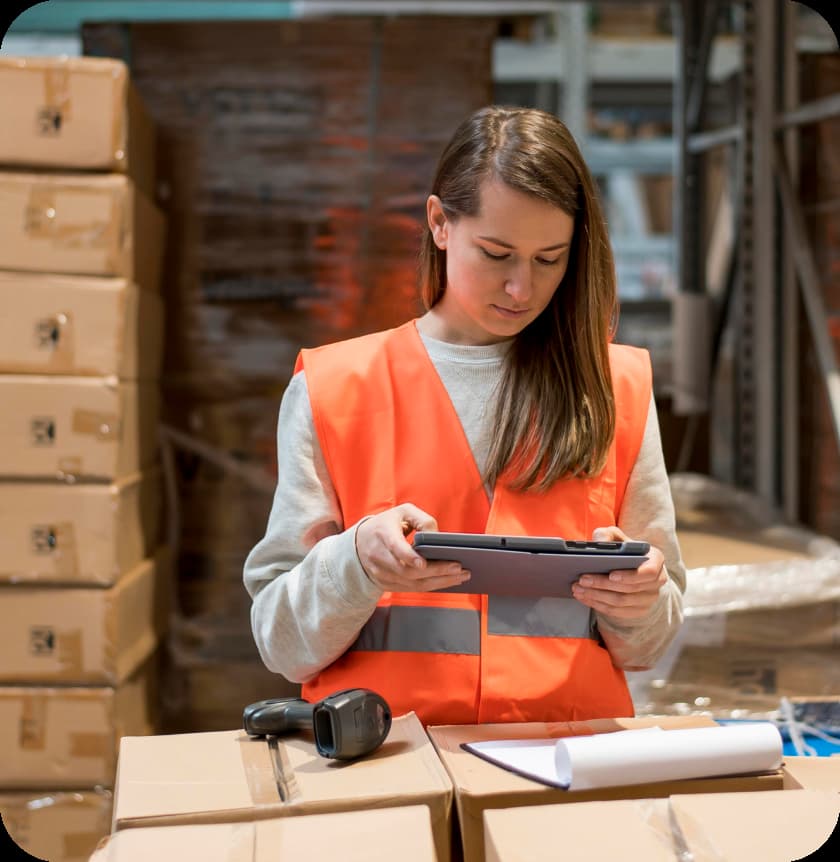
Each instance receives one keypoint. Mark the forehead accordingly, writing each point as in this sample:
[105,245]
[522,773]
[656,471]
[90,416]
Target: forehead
[507,213]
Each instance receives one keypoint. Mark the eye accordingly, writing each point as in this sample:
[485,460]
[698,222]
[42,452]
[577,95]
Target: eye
[545,262]
[493,256]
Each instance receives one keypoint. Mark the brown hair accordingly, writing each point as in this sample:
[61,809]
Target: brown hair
[555,411]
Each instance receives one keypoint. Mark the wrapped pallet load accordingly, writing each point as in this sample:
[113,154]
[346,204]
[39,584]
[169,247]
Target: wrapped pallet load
[762,610]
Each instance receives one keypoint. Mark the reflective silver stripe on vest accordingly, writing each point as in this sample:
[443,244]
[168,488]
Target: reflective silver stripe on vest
[406,629]
[540,618]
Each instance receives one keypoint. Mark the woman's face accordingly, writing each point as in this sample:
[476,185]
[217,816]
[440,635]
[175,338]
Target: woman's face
[502,265]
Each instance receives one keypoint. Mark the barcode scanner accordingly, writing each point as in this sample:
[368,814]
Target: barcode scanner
[347,724]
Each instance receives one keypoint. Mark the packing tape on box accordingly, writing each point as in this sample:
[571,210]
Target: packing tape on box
[70,653]
[681,836]
[269,774]
[33,723]
[103,426]
[57,96]
[65,553]
[70,465]
[90,745]
[46,220]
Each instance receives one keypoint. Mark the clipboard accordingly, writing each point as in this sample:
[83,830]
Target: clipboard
[526,566]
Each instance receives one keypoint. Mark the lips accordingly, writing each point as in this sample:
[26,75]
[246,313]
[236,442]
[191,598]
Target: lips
[510,312]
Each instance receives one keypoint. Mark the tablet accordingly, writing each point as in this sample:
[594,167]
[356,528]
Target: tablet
[527,566]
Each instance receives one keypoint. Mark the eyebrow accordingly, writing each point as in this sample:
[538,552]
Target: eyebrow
[504,244]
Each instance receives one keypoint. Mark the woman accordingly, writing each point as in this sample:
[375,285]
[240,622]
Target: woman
[504,409]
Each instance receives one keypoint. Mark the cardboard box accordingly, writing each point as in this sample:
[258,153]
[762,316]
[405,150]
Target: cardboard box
[627,19]
[79,326]
[75,533]
[67,737]
[80,225]
[773,826]
[60,827]
[227,777]
[78,427]
[381,835]
[481,786]
[812,773]
[84,635]
[75,112]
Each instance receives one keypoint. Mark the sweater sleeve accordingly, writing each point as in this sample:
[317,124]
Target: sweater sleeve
[310,594]
[647,514]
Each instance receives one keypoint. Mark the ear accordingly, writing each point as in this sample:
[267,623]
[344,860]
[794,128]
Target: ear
[438,224]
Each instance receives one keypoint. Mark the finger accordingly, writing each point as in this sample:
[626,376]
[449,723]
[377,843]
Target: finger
[616,604]
[444,578]
[411,578]
[604,583]
[411,518]
[623,581]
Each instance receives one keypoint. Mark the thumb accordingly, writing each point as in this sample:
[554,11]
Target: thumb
[608,534]
[414,518]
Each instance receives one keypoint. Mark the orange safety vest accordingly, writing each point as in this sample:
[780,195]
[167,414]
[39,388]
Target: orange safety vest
[389,435]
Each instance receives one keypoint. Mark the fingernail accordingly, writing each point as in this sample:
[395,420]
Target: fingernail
[418,562]
[465,575]
[585,581]
[614,576]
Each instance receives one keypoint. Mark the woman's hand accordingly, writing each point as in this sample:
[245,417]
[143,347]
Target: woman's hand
[624,594]
[390,561]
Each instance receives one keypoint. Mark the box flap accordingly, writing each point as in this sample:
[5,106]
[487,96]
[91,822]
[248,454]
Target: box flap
[812,773]
[536,834]
[362,836]
[775,825]
[224,776]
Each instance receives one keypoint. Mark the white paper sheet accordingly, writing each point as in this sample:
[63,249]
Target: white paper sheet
[638,756]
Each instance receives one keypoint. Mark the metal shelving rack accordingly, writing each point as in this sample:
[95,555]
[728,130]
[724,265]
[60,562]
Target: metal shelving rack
[771,253]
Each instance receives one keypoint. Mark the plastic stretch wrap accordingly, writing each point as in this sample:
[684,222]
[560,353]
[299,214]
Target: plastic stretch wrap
[659,816]
[807,568]
[762,609]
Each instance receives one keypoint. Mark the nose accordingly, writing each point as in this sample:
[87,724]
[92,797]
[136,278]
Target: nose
[518,284]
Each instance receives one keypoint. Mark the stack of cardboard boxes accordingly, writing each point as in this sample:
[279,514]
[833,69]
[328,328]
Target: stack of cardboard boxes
[83,581]
[421,797]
